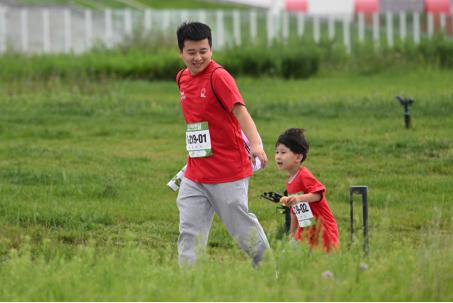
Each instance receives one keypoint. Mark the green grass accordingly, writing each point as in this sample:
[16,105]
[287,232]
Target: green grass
[85,214]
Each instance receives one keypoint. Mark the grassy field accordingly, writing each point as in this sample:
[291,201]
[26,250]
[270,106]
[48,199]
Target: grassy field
[85,214]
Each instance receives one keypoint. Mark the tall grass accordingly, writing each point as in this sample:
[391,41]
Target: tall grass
[85,213]
[147,57]
[395,271]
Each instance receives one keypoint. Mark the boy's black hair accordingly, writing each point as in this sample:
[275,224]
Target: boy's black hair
[294,139]
[195,31]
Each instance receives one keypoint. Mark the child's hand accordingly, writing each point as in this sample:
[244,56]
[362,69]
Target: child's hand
[284,200]
[288,201]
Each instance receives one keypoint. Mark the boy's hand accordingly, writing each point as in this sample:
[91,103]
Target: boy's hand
[288,201]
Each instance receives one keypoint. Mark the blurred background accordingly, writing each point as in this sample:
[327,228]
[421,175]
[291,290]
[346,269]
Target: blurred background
[284,38]
[64,26]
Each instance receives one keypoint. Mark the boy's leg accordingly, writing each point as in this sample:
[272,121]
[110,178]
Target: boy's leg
[230,201]
[195,218]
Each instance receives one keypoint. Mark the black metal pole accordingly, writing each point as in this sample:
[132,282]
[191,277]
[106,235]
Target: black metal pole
[287,215]
[407,120]
[365,220]
[363,190]
[351,215]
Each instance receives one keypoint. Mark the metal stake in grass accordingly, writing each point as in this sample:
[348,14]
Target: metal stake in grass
[363,190]
[406,103]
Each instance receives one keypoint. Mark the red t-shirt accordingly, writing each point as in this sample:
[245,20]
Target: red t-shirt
[325,226]
[229,160]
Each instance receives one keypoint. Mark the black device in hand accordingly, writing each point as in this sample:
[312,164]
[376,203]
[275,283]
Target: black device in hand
[272,196]
[275,198]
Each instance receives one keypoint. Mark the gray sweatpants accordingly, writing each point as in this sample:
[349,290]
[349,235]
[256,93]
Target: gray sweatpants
[197,203]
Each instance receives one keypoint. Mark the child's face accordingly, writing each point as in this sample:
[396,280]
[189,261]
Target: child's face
[196,55]
[286,159]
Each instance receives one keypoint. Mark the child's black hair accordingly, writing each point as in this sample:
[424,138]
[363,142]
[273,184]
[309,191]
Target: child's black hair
[294,139]
[195,31]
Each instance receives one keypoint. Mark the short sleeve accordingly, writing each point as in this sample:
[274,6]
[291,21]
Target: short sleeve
[226,89]
[310,184]
[178,76]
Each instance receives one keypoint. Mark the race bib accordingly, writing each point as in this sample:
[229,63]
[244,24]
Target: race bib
[303,214]
[198,140]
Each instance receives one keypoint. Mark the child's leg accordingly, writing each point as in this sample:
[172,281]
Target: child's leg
[294,227]
[195,218]
[330,240]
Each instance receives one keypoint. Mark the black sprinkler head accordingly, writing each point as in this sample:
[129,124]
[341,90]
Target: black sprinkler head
[406,102]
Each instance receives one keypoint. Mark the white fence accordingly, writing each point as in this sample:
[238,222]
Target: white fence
[44,30]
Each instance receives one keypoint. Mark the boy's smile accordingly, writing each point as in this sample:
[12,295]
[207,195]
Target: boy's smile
[196,55]
[286,159]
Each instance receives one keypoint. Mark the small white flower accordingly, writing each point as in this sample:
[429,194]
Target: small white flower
[363,266]
[328,275]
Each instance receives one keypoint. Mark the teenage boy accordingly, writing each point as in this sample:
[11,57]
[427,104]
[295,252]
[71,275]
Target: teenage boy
[218,165]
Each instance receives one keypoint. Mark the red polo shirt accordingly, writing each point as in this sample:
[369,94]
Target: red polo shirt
[229,160]
[326,226]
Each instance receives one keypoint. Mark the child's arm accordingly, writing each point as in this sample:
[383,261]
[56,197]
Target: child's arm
[310,197]
[249,128]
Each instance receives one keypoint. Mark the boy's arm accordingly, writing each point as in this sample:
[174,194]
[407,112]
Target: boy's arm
[249,128]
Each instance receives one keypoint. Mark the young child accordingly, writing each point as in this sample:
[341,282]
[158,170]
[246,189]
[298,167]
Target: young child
[311,218]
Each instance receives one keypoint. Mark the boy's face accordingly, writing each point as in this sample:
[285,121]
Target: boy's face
[286,159]
[196,55]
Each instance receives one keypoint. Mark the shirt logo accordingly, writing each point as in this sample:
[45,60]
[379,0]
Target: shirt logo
[183,96]
[203,93]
